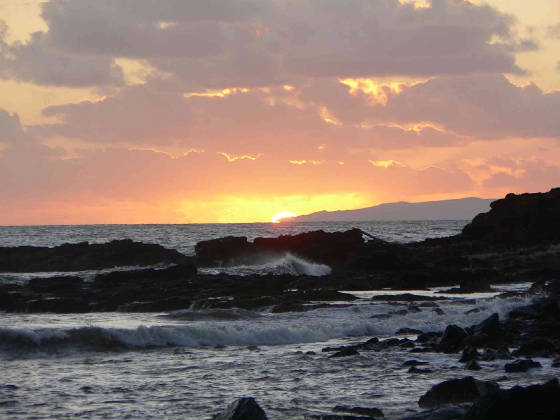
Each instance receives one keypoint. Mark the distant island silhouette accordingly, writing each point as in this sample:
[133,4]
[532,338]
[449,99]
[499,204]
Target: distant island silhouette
[457,209]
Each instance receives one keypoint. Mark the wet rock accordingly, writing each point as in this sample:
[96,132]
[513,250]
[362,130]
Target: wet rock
[421,350]
[490,326]
[518,219]
[457,391]
[57,284]
[85,256]
[406,297]
[531,402]
[414,369]
[408,331]
[323,247]
[452,412]
[472,365]
[521,365]
[245,408]
[414,363]
[413,308]
[438,311]
[364,411]
[469,353]
[310,353]
[58,305]
[539,347]
[472,311]
[501,353]
[351,351]
[556,363]
[429,337]
[452,340]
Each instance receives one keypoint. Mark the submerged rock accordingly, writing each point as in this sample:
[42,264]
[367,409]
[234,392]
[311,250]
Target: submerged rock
[457,391]
[350,351]
[521,365]
[472,365]
[531,403]
[245,408]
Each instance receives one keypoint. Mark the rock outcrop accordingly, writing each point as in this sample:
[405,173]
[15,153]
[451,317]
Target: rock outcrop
[519,219]
[245,408]
[85,256]
[318,246]
[457,391]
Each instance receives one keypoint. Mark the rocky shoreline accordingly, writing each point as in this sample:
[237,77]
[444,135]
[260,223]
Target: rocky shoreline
[518,240]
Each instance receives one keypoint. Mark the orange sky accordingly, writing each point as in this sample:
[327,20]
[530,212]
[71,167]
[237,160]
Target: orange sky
[235,111]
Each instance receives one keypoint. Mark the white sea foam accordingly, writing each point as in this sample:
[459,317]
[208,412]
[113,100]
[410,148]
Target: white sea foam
[287,264]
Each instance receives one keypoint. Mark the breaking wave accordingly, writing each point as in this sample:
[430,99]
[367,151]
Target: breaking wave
[287,264]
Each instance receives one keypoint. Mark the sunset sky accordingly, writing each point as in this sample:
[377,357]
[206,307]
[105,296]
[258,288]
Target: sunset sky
[178,111]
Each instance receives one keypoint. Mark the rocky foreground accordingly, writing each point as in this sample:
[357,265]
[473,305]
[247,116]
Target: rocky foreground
[517,240]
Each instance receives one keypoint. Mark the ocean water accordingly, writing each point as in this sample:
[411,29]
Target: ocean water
[192,363]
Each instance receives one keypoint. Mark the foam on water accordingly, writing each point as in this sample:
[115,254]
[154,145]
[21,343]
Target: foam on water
[287,264]
[238,327]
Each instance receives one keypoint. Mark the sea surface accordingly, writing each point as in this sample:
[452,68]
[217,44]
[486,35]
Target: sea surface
[192,363]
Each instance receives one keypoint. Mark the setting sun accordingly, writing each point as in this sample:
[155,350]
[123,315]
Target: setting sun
[283,215]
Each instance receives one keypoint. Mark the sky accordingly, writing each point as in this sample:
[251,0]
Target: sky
[183,111]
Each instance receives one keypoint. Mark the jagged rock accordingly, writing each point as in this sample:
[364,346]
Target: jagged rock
[318,246]
[539,347]
[452,340]
[521,219]
[530,403]
[457,391]
[472,365]
[350,351]
[406,297]
[414,363]
[501,353]
[408,331]
[363,411]
[245,408]
[56,284]
[85,256]
[521,365]
[469,353]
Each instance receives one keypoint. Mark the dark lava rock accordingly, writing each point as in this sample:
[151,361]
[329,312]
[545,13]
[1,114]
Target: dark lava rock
[472,365]
[405,297]
[490,326]
[57,284]
[457,391]
[469,353]
[364,411]
[538,347]
[245,408]
[350,351]
[414,363]
[452,340]
[519,219]
[85,256]
[414,369]
[429,337]
[501,353]
[521,365]
[319,246]
[408,331]
[531,402]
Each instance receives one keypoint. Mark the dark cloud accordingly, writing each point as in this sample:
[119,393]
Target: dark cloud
[257,43]
[480,106]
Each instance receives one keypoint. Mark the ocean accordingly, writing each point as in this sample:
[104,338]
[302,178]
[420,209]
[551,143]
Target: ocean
[191,363]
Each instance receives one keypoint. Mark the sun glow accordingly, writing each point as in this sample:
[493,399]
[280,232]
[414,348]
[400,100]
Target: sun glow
[282,216]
